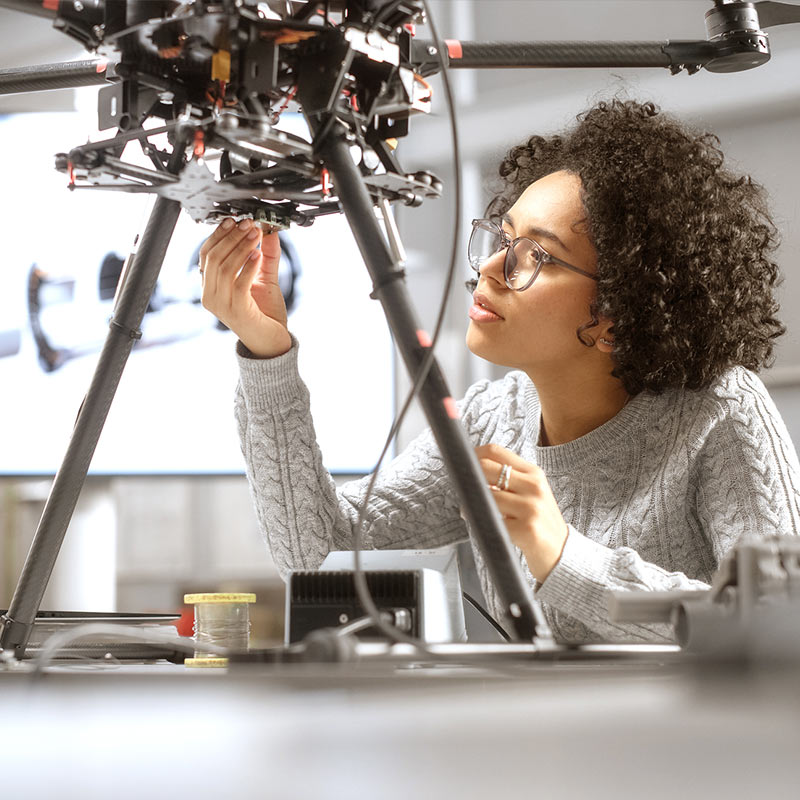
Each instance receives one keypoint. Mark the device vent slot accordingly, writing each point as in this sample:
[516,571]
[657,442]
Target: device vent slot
[389,586]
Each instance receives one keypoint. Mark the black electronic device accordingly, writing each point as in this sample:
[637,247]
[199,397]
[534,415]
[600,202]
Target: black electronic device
[217,75]
[329,600]
[421,587]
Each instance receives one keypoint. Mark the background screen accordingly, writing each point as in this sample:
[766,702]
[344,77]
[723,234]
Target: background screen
[173,412]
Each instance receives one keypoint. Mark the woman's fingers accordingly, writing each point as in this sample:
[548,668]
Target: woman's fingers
[234,260]
[517,484]
[270,257]
[244,280]
[502,455]
[225,259]
[220,232]
[228,247]
[500,466]
[219,245]
[515,506]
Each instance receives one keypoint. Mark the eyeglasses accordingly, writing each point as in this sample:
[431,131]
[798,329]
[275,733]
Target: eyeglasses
[524,257]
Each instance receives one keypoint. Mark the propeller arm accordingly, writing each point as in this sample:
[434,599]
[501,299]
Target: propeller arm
[64,75]
[743,50]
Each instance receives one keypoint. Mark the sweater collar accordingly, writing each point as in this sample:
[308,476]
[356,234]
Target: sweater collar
[592,446]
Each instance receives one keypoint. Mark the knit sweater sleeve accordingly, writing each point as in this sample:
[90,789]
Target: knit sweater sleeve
[744,479]
[301,512]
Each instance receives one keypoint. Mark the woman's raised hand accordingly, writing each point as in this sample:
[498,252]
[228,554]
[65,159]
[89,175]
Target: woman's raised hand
[240,286]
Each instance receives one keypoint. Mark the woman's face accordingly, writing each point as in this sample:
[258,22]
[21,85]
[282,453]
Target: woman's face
[536,329]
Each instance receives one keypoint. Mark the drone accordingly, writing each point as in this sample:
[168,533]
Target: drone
[217,76]
[193,92]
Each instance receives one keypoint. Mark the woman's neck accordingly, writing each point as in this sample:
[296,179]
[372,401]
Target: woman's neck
[571,409]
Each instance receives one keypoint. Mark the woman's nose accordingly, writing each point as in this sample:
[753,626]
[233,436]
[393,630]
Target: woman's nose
[493,266]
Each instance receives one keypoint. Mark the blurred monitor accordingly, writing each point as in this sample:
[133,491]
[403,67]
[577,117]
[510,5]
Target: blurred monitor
[173,412]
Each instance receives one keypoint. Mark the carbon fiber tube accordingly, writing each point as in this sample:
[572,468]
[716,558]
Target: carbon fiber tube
[128,314]
[64,75]
[504,55]
[457,451]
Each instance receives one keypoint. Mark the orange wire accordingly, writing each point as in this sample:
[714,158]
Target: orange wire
[423,82]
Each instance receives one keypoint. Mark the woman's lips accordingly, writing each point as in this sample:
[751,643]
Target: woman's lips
[482,310]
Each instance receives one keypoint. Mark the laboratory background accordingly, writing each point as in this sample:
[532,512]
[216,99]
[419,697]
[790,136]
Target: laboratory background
[166,508]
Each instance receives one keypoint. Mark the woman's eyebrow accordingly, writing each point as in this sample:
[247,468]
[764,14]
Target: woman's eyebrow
[535,232]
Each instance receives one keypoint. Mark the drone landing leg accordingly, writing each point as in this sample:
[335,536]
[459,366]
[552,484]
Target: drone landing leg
[457,451]
[135,294]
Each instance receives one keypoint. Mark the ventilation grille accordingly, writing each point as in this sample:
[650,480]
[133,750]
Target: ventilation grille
[327,588]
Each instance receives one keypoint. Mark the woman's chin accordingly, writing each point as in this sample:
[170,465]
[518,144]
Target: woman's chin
[480,347]
[474,343]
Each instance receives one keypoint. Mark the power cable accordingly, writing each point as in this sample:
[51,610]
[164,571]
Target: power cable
[359,577]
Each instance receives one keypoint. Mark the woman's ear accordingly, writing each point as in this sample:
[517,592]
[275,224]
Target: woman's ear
[604,341]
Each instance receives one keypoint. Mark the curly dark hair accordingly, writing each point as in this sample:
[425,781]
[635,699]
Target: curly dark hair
[684,245]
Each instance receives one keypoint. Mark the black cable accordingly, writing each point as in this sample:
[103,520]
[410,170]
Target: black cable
[385,11]
[358,573]
[322,132]
[487,616]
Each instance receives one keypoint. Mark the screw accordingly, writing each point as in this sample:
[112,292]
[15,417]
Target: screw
[78,6]
[431,50]
[343,618]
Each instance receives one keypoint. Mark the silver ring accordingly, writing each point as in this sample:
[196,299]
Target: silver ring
[504,478]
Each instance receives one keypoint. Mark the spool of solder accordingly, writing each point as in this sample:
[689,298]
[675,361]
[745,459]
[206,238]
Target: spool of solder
[221,619]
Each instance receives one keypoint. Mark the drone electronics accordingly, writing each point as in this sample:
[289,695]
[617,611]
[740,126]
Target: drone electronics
[212,79]
[218,76]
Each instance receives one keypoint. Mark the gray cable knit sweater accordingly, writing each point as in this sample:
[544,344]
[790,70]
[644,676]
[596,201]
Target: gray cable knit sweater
[654,498]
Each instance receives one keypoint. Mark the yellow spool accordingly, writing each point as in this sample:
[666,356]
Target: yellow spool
[220,619]
[206,662]
[219,597]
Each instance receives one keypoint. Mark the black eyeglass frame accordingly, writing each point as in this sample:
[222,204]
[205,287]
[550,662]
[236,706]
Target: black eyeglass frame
[508,244]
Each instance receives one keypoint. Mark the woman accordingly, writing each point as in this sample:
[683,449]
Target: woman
[626,278]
